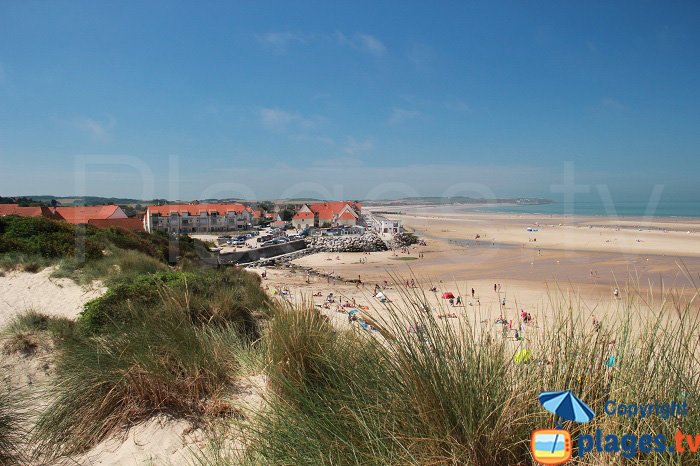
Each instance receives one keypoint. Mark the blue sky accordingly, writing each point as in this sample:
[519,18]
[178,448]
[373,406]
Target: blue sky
[359,100]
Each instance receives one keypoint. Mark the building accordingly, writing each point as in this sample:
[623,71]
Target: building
[14,209]
[334,213]
[99,216]
[383,225]
[256,215]
[83,214]
[197,218]
[303,219]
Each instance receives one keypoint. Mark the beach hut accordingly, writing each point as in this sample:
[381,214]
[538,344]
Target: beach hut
[448,295]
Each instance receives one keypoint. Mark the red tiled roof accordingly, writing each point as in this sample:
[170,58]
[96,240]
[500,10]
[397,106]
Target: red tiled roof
[304,215]
[334,207]
[325,214]
[196,209]
[133,224]
[346,216]
[78,215]
[14,209]
[257,214]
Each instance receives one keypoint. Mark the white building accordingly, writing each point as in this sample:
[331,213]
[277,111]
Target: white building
[197,218]
[383,225]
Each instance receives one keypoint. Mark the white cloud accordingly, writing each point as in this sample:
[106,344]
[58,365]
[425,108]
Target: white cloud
[371,44]
[280,41]
[355,147]
[612,104]
[402,115]
[277,119]
[457,106]
[315,139]
[363,42]
[97,130]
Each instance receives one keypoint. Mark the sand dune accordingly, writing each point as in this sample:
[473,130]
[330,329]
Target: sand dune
[20,291]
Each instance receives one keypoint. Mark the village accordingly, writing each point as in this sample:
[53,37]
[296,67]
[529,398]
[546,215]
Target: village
[237,227]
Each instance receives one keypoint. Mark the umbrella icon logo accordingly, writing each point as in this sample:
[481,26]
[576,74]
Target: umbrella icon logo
[566,405]
[553,446]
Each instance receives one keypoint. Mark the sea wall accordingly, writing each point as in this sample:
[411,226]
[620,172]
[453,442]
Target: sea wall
[253,255]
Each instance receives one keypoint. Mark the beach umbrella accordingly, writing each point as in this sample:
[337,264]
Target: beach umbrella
[448,295]
[567,405]
[522,356]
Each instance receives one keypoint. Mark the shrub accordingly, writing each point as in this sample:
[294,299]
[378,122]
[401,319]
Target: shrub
[34,242]
[226,297]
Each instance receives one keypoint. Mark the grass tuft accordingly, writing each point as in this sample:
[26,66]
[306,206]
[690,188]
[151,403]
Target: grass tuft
[11,432]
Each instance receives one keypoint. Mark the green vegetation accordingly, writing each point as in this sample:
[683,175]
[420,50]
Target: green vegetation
[85,253]
[455,395]
[167,342]
[11,432]
[158,361]
[174,339]
[228,296]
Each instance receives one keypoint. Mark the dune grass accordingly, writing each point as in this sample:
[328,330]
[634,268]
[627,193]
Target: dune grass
[229,296]
[32,330]
[11,430]
[453,393]
[117,265]
[172,350]
[85,253]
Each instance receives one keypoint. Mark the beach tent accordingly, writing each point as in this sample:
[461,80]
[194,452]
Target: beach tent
[522,356]
[380,295]
[352,312]
[448,295]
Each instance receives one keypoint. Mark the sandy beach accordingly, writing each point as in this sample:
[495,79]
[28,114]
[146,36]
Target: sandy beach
[559,258]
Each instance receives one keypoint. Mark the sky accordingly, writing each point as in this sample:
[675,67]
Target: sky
[349,100]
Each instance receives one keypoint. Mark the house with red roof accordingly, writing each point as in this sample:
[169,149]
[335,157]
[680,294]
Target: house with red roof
[197,218]
[332,213]
[14,209]
[303,219]
[78,215]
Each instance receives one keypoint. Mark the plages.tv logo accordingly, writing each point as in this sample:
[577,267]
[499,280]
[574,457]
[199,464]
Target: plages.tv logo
[553,446]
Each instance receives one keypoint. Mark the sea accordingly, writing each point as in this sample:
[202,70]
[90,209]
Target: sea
[690,209]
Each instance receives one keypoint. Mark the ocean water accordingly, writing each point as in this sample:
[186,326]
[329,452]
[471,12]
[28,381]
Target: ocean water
[598,208]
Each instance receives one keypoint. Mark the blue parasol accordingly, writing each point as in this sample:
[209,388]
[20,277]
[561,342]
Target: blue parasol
[566,405]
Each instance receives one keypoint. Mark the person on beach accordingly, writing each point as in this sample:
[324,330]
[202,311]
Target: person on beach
[494,287]
[616,293]
[452,301]
[459,300]
[472,292]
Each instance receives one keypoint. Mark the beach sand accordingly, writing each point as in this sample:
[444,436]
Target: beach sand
[22,291]
[567,258]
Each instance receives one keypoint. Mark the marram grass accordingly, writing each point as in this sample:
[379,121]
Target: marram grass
[454,395]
